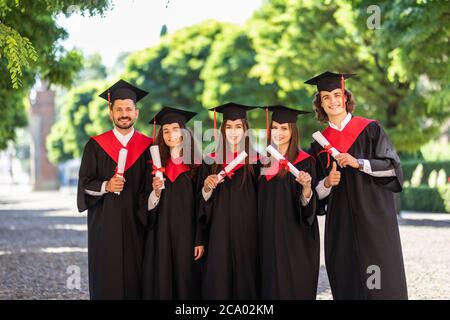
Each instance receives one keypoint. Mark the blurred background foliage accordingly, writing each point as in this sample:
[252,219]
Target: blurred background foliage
[400,57]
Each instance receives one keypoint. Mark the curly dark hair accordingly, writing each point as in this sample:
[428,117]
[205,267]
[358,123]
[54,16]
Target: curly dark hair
[321,115]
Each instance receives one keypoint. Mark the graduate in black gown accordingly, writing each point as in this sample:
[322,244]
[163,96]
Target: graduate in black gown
[363,253]
[116,221]
[228,213]
[171,269]
[289,233]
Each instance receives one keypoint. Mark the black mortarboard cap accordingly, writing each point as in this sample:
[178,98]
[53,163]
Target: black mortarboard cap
[282,114]
[123,90]
[233,111]
[328,81]
[170,115]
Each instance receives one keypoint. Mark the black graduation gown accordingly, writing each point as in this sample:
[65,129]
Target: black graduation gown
[115,224]
[229,222]
[170,271]
[289,237]
[361,224]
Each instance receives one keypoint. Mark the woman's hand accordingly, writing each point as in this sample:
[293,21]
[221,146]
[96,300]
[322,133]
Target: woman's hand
[211,182]
[157,185]
[304,178]
[198,252]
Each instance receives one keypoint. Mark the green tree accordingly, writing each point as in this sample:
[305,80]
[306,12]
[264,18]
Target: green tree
[298,39]
[93,69]
[82,116]
[30,48]
[227,74]
[171,70]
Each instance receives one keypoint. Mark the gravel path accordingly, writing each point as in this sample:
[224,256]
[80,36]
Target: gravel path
[43,241]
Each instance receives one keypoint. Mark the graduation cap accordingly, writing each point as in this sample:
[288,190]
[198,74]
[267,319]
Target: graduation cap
[231,111]
[170,115]
[328,81]
[123,90]
[282,114]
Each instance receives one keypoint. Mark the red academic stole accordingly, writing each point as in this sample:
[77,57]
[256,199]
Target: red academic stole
[174,169]
[276,165]
[343,140]
[240,165]
[136,146]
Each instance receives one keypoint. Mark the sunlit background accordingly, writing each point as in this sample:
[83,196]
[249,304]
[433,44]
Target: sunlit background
[56,58]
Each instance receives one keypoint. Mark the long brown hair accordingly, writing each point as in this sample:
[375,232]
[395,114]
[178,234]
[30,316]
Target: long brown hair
[164,150]
[223,145]
[321,115]
[293,148]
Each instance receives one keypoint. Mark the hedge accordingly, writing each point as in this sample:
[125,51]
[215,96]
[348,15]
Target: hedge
[409,166]
[426,199]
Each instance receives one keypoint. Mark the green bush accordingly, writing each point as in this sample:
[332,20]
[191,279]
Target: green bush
[426,199]
[428,166]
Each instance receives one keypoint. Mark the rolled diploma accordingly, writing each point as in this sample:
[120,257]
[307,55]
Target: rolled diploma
[318,136]
[274,153]
[241,156]
[156,157]
[121,164]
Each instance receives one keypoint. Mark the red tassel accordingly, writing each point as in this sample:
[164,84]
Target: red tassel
[154,129]
[267,124]
[343,91]
[215,125]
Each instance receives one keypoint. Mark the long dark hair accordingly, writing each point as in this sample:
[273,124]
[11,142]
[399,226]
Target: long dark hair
[164,150]
[293,147]
[222,151]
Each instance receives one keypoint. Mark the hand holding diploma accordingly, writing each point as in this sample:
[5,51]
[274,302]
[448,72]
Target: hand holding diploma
[304,178]
[157,185]
[318,136]
[274,153]
[118,179]
[346,159]
[241,157]
[157,167]
[211,182]
[115,184]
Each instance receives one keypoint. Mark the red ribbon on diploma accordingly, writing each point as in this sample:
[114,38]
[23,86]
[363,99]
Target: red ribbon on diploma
[228,174]
[156,169]
[327,149]
[117,174]
[284,164]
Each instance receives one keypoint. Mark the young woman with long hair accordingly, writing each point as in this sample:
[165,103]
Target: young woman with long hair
[289,233]
[172,250]
[228,212]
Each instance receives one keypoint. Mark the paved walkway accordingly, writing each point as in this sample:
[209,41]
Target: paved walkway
[43,237]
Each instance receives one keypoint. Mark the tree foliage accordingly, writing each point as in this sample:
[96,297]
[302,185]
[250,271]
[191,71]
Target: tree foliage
[402,66]
[30,48]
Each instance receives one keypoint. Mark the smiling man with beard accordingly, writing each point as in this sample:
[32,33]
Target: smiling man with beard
[117,205]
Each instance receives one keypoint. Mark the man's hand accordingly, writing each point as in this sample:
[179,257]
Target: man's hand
[345,159]
[157,185]
[333,178]
[115,184]
[211,182]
